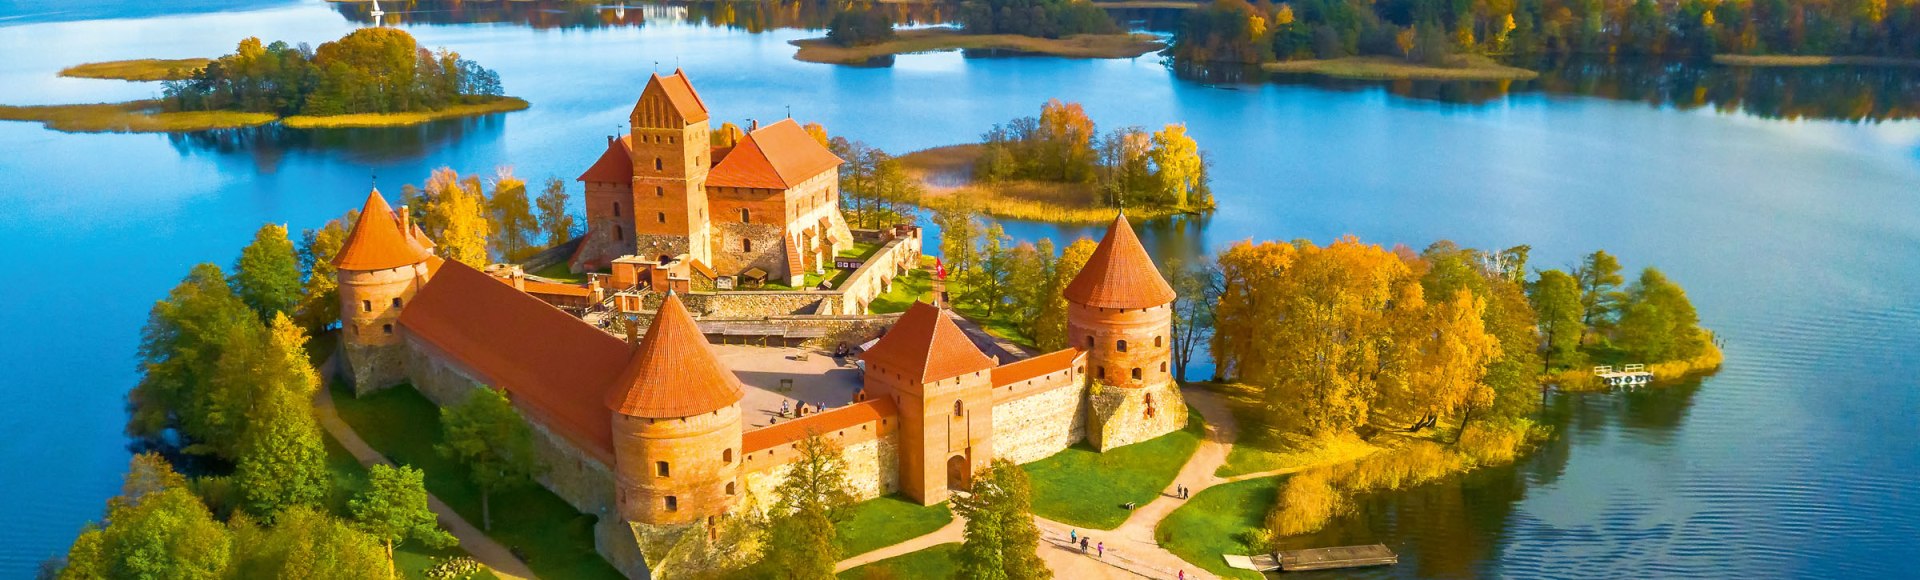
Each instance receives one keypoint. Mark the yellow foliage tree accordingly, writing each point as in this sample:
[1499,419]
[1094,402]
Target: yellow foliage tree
[1176,159]
[819,133]
[458,211]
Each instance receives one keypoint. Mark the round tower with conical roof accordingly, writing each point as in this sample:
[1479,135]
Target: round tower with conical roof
[1120,311]
[384,260]
[676,426]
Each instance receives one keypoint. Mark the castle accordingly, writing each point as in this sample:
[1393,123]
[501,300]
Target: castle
[647,432]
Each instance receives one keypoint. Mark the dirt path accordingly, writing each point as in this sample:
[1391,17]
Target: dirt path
[953,532]
[483,549]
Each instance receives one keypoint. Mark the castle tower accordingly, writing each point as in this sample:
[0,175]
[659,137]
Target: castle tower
[670,150]
[1121,312]
[676,426]
[941,383]
[383,262]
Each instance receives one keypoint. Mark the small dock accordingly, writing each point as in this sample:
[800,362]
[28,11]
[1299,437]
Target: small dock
[1635,375]
[1317,559]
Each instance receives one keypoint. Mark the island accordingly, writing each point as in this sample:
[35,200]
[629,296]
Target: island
[823,50]
[1068,28]
[335,85]
[1456,68]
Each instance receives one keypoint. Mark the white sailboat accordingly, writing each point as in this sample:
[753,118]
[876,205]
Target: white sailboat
[377,13]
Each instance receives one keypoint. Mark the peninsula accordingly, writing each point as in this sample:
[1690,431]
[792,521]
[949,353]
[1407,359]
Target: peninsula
[1120,45]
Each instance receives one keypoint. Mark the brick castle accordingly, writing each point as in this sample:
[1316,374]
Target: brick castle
[646,432]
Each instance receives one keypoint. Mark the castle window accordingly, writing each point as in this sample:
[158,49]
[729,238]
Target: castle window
[662,216]
[660,468]
[673,503]
[729,488]
[726,455]
[659,165]
[745,216]
[959,409]
[659,191]
[366,306]
[396,302]
[1156,340]
[1163,366]
[619,233]
[1120,345]
[616,209]
[746,245]
[1136,373]
[387,328]
[1103,373]
[1089,342]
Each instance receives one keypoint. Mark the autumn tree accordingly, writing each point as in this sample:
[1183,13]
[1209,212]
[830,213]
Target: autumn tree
[456,217]
[813,498]
[958,230]
[1599,278]
[556,224]
[282,462]
[180,352]
[1658,322]
[819,133]
[393,509]
[1001,539]
[1029,267]
[487,435]
[304,543]
[1176,164]
[1050,325]
[267,275]
[156,528]
[510,214]
[320,300]
[1556,297]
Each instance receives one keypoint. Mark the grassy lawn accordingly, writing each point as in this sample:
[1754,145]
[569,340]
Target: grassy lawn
[558,271]
[350,478]
[836,275]
[144,69]
[860,251]
[934,562]
[1259,449]
[916,285]
[1216,521]
[881,522]
[556,540]
[1086,488]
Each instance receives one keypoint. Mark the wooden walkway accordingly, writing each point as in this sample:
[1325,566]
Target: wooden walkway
[1335,558]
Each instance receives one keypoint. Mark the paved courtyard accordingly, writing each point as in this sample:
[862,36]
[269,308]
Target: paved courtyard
[818,379]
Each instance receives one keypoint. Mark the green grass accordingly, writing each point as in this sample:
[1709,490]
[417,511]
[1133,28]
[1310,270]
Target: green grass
[144,69]
[881,522]
[1086,488]
[860,251]
[350,478]
[836,275]
[916,285]
[556,540]
[934,562]
[559,271]
[1259,449]
[1216,521]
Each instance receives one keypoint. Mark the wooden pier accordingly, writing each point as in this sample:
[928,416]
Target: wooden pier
[1317,559]
[1628,376]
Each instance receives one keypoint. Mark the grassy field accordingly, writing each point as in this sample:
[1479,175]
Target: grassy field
[882,522]
[129,117]
[558,271]
[1259,449]
[916,285]
[1769,60]
[498,105]
[144,69]
[934,562]
[947,174]
[934,39]
[556,540]
[860,251]
[1086,488]
[350,478]
[1217,521]
[1464,68]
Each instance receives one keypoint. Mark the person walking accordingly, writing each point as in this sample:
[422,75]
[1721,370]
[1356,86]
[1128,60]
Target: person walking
[1083,544]
[1073,536]
[1103,550]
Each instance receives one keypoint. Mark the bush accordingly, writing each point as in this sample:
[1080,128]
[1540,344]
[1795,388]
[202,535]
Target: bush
[453,568]
[859,27]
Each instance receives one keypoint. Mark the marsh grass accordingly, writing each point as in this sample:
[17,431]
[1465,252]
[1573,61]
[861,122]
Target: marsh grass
[143,69]
[486,107]
[821,50]
[129,117]
[947,174]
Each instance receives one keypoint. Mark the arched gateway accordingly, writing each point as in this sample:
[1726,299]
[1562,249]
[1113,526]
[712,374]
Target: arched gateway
[959,473]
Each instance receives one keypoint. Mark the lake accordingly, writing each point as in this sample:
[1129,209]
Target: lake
[1798,239]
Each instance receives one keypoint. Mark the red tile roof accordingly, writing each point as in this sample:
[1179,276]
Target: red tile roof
[824,422]
[536,287]
[777,156]
[680,94]
[615,165]
[673,373]
[546,359]
[1120,274]
[1035,367]
[927,346]
[378,242]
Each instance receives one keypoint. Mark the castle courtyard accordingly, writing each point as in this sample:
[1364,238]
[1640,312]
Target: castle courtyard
[774,375]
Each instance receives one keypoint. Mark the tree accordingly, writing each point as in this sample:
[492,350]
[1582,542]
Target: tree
[1659,322]
[267,275]
[320,302]
[1556,297]
[860,26]
[819,133]
[164,533]
[1196,290]
[393,509]
[180,351]
[555,222]
[1176,164]
[304,543]
[486,434]
[282,462]
[1001,540]
[958,229]
[990,284]
[814,497]
[456,211]
[1599,278]
[514,225]
[1050,326]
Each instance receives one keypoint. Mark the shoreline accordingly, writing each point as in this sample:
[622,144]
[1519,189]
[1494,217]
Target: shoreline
[1474,68]
[137,69]
[145,116]
[1664,373]
[820,50]
[947,174]
[1787,60]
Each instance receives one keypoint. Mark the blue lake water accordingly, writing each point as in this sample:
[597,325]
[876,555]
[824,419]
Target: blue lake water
[1798,240]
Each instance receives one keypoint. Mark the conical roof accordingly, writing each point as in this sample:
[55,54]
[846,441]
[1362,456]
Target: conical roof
[673,373]
[927,346]
[1120,274]
[378,241]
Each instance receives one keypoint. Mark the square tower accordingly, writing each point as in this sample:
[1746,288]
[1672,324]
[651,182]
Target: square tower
[670,150]
[943,386]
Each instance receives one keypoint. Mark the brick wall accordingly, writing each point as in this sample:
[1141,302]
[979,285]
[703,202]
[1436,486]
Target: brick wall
[1042,423]
[1119,416]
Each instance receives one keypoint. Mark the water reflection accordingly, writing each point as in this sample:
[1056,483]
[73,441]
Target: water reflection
[266,146]
[751,16]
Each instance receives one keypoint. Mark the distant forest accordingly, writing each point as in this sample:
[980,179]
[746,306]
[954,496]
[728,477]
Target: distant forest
[1431,30]
[372,70]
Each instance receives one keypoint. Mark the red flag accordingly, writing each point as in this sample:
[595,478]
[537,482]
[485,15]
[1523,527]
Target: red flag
[939,269]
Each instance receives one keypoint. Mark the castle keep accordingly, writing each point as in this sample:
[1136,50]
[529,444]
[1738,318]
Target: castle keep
[647,432]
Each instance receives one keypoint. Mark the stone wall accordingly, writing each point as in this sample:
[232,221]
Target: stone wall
[753,304]
[738,247]
[873,467]
[372,368]
[875,277]
[1039,425]
[1124,416]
